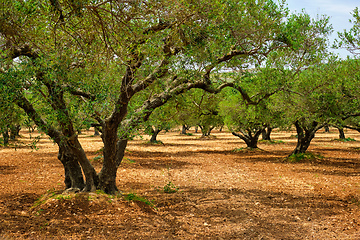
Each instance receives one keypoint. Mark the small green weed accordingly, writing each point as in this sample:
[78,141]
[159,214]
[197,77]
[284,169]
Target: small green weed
[98,158]
[62,197]
[101,150]
[345,139]
[303,156]
[170,188]
[128,160]
[271,141]
[238,149]
[246,149]
[135,197]
[42,199]
[100,192]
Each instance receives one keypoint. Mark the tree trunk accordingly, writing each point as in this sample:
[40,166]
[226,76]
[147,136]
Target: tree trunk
[209,131]
[92,179]
[305,135]
[73,174]
[221,128]
[249,138]
[327,129]
[107,175]
[154,135]
[196,129]
[203,131]
[14,131]
[341,132]
[265,134]
[183,129]
[120,151]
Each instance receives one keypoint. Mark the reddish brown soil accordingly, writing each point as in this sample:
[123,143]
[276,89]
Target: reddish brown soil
[222,194]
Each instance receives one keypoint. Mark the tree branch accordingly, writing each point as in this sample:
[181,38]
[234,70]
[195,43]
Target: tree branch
[79,92]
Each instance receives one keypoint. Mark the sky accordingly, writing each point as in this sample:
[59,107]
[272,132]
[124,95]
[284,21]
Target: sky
[339,12]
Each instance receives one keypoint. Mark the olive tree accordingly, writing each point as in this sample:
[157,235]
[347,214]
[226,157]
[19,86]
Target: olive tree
[350,39]
[320,97]
[105,53]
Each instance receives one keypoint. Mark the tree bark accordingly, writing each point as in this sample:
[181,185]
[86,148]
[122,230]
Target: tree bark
[107,175]
[72,152]
[120,151]
[326,128]
[341,132]
[183,129]
[73,174]
[250,138]
[209,131]
[92,179]
[221,128]
[305,135]
[154,135]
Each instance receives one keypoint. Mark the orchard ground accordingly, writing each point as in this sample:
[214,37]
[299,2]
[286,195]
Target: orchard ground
[218,193]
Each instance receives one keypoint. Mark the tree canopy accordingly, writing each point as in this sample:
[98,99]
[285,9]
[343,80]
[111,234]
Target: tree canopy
[112,63]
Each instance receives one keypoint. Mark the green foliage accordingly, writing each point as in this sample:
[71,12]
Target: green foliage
[43,198]
[271,141]
[350,39]
[97,158]
[199,108]
[349,139]
[128,160]
[170,188]
[300,157]
[238,149]
[135,197]
[100,156]
[246,149]
[75,63]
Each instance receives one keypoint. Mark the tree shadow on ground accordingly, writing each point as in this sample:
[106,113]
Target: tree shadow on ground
[165,144]
[152,160]
[5,170]
[254,214]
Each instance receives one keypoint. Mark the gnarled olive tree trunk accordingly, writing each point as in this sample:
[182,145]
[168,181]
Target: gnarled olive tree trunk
[73,174]
[250,137]
[304,136]
[71,153]
[154,133]
[206,130]
[341,132]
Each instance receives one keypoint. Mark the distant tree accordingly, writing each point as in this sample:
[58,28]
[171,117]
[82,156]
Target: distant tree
[11,118]
[350,39]
[248,121]
[321,97]
[205,110]
[161,119]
